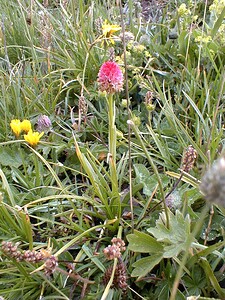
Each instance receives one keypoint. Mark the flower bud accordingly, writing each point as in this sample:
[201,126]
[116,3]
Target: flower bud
[43,123]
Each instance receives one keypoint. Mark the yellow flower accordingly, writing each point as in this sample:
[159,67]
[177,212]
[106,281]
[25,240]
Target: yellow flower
[26,126]
[33,138]
[16,127]
[108,30]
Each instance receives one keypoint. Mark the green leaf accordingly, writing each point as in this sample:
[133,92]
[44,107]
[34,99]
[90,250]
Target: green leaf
[143,176]
[145,265]
[9,157]
[93,258]
[218,23]
[142,242]
[209,274]
[176,236]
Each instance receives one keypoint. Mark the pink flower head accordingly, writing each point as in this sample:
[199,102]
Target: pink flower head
[110,78]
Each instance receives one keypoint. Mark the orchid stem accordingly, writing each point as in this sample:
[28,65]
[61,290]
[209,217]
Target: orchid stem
[115,199]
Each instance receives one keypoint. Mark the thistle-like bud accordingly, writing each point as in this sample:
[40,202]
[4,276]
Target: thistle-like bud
[213,183]
[189,158]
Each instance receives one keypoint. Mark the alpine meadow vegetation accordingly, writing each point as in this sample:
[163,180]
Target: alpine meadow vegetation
[112,156]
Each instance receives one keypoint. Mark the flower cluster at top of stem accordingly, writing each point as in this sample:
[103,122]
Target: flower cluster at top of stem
[31,256]
[110,78]
[120,277]
[114,250]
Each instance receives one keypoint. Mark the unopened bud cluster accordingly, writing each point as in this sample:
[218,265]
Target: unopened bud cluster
[50,265]
[44,123]
[32,256]
[12,250]
[82,106]
[189,158]
[114,250]
[148,101]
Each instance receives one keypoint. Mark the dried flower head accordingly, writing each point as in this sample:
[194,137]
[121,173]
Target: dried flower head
[213,183]
[98,25]
[111,53]
[120,276]
[173,200]
[189,158]
[33,138]
[110,78]
[43,123]
[82,105]
[16,127]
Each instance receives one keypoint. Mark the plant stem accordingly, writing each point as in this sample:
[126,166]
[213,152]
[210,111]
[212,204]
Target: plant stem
[112,128]
[115,199]
[107,289]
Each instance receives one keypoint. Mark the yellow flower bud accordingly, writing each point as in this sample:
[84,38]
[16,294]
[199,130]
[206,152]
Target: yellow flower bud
[16,127]
[26,126]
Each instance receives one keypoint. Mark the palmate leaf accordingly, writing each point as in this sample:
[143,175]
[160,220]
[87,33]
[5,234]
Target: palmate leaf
[144,243]
[175,238]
